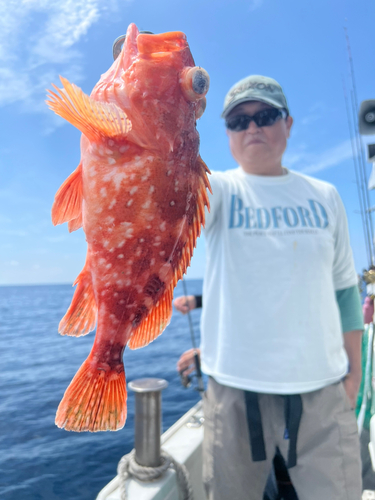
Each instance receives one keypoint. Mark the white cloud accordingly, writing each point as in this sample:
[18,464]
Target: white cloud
[37,42]
[310,163]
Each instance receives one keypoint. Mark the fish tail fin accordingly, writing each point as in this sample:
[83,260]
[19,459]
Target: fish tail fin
[95,399]
[80,318]
[68,199]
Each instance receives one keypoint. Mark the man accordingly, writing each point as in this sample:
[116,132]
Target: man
[279,291]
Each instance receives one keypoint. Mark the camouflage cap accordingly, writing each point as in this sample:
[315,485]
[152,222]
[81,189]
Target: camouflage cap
[255,88]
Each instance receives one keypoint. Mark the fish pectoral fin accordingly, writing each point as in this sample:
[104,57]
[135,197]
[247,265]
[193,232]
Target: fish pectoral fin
[95,399]
[80,318]
[155,323]
[93,118]
[68,199]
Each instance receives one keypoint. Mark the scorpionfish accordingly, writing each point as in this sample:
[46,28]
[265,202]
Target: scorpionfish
[139,192]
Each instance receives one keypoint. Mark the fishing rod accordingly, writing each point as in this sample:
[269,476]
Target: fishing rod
[360,154]
[185,379]
[358,183]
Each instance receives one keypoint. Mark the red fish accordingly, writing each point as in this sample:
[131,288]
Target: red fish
[140,194]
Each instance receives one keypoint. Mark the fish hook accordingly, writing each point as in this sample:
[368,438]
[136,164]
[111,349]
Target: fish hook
[119,42]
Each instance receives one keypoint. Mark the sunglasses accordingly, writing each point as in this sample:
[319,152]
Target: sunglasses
[264,118]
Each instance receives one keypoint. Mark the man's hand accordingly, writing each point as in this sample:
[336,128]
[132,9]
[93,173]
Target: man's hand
[351,383]
[186,363]
[185,304]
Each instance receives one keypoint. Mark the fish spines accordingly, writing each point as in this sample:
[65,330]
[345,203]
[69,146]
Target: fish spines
[95,400]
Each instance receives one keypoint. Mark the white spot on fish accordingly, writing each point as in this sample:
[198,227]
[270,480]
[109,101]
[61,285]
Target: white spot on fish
[148,227]
[157,244]
[123,149]
[99,210]
[146,204]
[128,282]
[92,184]
[115,275]
[129,203]
[132,177]
[119,282]
[169,172]
[161,253]
[152,189]
[126,224]
[133,190]
[137,158]
[108,266]
[117,179]
[109,151]
[138,252]
[112,204]
[141,240]
[152,262]
[122,301]
[131,317]
[172,203]
[111,143]
[139,288]
[129,233]
[163,226]
[121,244]
[120,256]
[157,238]
[105,243]
[102,261]
[111,161]
[103,192]
[110,220]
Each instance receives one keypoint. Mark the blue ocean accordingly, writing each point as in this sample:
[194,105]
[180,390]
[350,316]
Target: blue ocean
[38,460]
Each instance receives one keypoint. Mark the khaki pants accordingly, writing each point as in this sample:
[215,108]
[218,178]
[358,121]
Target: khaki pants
[328,453]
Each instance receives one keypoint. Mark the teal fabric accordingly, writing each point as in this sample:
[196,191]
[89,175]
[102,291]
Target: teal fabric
[350,306]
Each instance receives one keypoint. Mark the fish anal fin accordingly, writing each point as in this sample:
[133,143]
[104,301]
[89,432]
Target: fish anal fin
[155,323]
[68,199]
[80,318]
[93,118]
[75,224]
[95,399]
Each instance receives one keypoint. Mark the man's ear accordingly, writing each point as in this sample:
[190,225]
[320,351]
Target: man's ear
[289,123]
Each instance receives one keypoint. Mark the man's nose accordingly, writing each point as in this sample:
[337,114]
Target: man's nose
[253,127]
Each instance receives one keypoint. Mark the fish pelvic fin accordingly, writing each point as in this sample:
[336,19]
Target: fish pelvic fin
[93,118]
[155,322]
[95,399]
[68,200]
[80,318]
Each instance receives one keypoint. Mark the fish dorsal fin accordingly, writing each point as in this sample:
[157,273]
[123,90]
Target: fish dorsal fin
[68,199]
[159,317]
[93,118]
[155,323]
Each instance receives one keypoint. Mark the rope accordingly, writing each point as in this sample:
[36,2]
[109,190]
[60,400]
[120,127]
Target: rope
[128,467]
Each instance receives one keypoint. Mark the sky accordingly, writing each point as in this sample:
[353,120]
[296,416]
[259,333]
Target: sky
[301,44]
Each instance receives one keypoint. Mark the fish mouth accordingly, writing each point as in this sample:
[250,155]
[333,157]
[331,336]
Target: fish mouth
[161,43]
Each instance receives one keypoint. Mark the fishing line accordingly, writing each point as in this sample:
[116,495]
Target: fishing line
[196,357]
